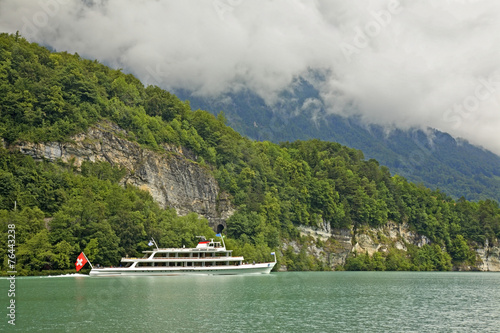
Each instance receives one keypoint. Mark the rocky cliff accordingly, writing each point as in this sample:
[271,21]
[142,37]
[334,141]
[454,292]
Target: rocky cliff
[338,244]
[490,257]
[171,177]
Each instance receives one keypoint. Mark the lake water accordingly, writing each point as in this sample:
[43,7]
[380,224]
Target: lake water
[280,302]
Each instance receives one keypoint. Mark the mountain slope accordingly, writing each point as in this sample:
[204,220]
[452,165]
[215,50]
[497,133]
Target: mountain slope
[433,158]
[74,196]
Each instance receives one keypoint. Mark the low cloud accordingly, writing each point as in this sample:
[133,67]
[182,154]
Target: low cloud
[399,63]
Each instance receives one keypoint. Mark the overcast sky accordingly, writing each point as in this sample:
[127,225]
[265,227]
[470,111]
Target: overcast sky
[405,63]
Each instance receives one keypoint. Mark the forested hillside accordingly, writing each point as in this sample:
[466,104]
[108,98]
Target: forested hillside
[434,158]
[62,209]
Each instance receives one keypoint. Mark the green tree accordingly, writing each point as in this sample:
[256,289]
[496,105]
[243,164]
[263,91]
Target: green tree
[460,251]
[36,253]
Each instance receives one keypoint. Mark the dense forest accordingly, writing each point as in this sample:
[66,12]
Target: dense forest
[432,157]
[62,210]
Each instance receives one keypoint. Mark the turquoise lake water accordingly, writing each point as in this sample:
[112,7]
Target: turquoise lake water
[280,302]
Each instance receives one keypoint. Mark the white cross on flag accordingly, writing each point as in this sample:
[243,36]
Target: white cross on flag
[80,261]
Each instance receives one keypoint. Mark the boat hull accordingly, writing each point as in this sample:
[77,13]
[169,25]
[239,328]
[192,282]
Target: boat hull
[263,268]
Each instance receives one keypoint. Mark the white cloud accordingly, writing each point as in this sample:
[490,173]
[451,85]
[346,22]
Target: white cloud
[399,63]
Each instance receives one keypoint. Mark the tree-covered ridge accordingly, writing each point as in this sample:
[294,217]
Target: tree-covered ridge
[48,96]
[433,158]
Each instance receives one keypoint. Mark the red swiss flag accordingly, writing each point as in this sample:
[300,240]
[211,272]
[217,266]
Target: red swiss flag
[80,261]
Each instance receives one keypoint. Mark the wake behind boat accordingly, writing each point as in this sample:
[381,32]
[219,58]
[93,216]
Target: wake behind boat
[208,258]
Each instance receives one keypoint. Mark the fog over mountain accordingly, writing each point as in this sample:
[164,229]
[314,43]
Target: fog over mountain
[396,63]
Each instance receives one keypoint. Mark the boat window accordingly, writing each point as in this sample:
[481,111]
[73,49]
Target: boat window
[144,264]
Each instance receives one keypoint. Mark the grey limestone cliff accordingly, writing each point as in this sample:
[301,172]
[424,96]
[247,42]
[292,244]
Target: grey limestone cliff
[171,177]
[340,243]
[490,257]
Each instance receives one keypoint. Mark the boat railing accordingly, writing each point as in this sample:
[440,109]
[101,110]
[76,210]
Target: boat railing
[182,249]
[186,258]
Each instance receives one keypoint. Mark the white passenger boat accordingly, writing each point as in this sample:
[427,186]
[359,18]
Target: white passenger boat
[208,258]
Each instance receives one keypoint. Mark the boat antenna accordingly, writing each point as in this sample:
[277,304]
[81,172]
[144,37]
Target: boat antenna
[222,237]
[154,242]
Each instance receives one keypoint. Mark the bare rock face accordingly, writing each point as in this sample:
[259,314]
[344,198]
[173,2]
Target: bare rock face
[341,243]
[337,243]
[490,257]
[380,239]
[171,178]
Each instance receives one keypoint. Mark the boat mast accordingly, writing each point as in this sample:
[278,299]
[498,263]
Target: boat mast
[222,237]
[154,242]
